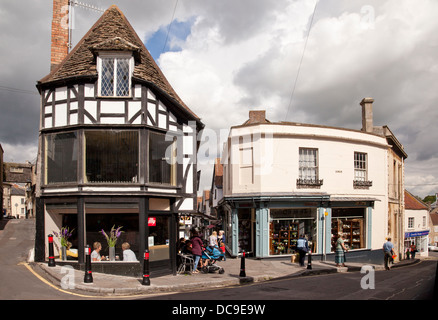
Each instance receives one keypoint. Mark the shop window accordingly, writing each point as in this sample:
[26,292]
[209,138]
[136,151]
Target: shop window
[97,220]
[158,240]
[115,76]
[351,223]
[308,168]
[61,152]
[286,226]
[162,159]
[111,156]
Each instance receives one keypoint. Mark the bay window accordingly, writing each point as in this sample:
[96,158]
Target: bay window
[111,156]
[162,159]
[61,150]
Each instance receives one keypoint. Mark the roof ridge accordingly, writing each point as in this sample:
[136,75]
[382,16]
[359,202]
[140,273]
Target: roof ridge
[113,23]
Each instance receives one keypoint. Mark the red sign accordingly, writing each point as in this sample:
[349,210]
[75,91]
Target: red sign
[152,222]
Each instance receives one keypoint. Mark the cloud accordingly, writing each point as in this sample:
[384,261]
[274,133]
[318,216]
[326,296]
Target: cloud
[234,56]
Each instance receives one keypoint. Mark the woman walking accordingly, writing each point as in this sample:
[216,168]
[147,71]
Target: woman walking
[196,249]
[340,251]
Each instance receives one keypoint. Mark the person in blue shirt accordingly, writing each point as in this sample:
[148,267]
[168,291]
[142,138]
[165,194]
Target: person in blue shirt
[303,248]
[388,250]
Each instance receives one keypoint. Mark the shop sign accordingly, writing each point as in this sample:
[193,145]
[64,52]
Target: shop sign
[185,220]
[416,234]
[152,222]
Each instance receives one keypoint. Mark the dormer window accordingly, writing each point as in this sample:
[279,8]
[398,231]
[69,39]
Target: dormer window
[115,72]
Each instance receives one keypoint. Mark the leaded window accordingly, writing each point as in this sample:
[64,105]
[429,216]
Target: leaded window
[115,76]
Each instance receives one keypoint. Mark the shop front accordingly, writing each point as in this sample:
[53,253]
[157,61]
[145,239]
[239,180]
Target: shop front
[271,228]
[146,223]
[418,240]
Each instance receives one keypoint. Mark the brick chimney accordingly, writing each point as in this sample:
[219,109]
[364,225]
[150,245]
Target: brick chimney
[257,116]
[367,114]
[59,43]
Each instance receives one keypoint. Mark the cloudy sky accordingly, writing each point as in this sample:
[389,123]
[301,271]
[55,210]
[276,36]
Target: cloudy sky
[300,60]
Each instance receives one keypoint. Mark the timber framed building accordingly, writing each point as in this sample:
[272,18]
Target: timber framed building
[117,147]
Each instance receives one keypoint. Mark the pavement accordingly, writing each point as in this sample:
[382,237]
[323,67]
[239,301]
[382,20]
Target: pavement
[256,271]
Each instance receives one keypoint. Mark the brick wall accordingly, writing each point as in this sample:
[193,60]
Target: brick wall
[59,43]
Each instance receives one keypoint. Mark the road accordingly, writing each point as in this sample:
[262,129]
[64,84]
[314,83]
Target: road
[17,282]
[414,282]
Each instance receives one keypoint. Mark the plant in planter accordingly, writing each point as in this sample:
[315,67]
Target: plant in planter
[63,235]
[111,239]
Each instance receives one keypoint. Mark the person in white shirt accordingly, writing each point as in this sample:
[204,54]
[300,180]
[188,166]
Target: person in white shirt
[128,254]
[95,255]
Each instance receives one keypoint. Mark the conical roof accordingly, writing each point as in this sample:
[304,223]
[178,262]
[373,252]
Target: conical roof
[112,32]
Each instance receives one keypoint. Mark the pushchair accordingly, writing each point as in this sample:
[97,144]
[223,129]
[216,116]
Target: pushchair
[211,255]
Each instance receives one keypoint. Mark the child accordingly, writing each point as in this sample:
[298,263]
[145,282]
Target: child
[223,250]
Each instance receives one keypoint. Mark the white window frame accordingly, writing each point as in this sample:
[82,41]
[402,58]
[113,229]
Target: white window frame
[411,222]
[360,166]
[114,55]
[308,171]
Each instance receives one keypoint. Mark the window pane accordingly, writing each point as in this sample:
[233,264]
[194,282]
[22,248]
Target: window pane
[158,240]
[111,156]
[122,77]
[162,164]
[107,80]
[308,168]
[61,158]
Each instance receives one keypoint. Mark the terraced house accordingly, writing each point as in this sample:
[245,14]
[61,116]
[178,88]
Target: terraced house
[117,146]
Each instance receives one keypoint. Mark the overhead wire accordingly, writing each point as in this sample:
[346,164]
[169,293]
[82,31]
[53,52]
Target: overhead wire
[301,61]
[170,27]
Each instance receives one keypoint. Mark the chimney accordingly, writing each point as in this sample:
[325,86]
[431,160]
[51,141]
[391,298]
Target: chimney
[59,43]
[257,116]
[367,114]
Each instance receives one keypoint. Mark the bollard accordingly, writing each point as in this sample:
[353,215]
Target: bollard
[242,265]
[146,280]
[309,261]
[88,278]
[51,252]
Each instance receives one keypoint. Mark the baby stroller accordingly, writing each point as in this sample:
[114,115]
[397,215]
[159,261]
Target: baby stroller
[211,255]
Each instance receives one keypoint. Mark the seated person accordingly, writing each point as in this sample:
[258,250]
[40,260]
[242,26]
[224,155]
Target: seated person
[128,254]
[187,248]
[95,255]
[72,254]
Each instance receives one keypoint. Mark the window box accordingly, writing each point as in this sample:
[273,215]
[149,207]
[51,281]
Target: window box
[362,184]
[310,182]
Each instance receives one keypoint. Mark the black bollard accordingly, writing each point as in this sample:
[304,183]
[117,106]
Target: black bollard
[146,279]
[242,265]
[88,278]
[51,252]
[309,261]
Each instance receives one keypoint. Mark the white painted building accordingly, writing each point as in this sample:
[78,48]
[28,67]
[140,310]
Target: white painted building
[286,179]
[416,223]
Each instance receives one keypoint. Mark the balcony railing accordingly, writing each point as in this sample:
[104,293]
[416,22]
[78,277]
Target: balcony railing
[309,182]
[362,184]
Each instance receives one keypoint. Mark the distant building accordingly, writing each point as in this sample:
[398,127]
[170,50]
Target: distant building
[416,224]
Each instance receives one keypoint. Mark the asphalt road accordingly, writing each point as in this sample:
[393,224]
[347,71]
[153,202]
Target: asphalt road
[17,282]
[415,282]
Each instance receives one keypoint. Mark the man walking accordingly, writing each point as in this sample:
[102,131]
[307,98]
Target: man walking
[388,250]
[303,248]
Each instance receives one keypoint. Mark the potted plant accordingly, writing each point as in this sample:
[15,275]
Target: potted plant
[63,236]
[111,239]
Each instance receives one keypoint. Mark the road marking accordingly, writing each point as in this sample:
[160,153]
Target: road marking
[77,294]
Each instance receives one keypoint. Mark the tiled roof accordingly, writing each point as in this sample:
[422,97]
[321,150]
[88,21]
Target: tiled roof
[112,31]
[412,203]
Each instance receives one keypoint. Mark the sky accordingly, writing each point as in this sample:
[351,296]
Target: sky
[300,60]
